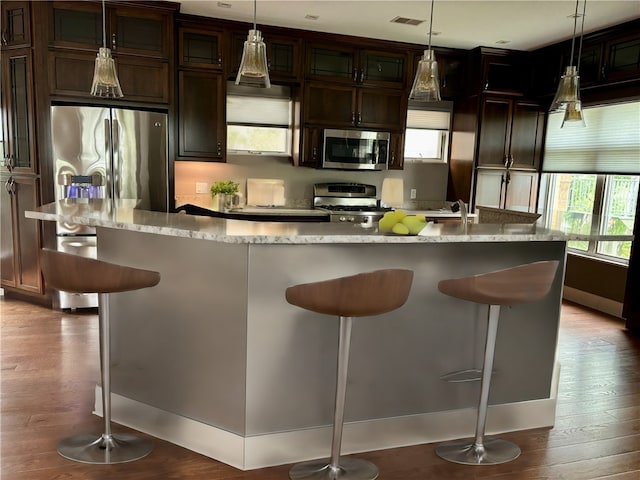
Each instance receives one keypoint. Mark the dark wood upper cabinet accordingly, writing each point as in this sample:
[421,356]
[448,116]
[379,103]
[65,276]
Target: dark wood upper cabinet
[200,48]
[623,57]
[335,105]
[18,111]
[452,70]
[347,64]
[201,116]
[139,31]
[510,133]
[495,70]
[396,152]
[283,56]
[16,24]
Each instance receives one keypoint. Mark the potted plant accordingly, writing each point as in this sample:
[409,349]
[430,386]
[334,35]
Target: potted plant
[222,193]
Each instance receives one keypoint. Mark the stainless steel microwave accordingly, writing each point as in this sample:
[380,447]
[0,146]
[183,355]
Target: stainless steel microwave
[355,150]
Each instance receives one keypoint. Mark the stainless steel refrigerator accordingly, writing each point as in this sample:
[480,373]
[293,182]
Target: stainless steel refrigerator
[105,153]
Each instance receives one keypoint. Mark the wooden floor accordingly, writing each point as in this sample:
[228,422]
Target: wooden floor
[50,366]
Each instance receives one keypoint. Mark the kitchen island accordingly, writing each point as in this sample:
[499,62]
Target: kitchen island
[214,359]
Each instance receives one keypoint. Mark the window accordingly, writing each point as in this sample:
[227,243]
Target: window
[259,120]
[584,203]
[592,178]
[426,137]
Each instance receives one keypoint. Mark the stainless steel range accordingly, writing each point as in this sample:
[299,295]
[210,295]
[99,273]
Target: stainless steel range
[349,202]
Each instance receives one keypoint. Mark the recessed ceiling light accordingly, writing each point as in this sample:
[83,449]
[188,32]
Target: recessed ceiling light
[311,17]
[503,42]
[224,5]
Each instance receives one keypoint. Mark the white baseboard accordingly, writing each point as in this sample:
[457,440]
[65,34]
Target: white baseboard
[279,448]
[590,300]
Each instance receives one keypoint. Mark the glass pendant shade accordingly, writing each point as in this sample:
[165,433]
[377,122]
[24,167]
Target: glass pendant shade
[105,79]
[573,115]
[426,85]
[568,90]
[253,69]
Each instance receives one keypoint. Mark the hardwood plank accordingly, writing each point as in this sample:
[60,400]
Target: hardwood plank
[49,368]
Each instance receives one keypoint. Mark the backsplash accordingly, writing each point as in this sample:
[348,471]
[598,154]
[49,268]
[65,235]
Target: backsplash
[429,180]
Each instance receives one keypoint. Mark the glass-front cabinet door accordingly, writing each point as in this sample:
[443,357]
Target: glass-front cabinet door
[17,90]
[199,48]
[16,31]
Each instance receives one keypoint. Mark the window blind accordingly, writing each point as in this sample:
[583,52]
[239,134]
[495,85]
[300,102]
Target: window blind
[256,106]
[610,143]
[428,119]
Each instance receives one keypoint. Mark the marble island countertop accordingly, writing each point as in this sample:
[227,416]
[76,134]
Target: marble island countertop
[122,215]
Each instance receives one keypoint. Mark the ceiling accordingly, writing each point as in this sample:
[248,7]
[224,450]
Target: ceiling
[523,24]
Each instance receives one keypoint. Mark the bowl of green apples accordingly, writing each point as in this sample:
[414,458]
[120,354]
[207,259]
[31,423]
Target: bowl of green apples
[397,222]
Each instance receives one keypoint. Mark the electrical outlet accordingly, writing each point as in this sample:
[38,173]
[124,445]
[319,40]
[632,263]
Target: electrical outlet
[201,187]
[413,194]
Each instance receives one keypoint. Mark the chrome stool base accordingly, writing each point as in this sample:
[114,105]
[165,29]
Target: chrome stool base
[349,469]
[104,449]
[466,452]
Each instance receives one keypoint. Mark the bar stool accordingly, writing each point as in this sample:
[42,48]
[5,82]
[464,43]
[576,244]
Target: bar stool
[75,274]
[521,284]
[365,294]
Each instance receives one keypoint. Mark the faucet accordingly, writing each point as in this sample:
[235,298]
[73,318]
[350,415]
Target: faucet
[462,208]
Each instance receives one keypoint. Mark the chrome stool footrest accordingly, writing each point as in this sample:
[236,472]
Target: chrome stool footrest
[492,451]
[349,469]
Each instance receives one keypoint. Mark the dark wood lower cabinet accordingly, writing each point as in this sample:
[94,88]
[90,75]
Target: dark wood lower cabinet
[20,236]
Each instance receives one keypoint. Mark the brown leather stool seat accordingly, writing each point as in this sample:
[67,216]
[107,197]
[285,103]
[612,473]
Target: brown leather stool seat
[364,294]
[512,286]
[72,273]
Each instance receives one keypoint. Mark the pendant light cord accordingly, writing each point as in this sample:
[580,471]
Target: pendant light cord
[573,40]
[430,24]
[255,2]
[584,11]
[104,27]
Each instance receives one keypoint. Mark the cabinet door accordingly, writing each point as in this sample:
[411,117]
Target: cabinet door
[396,152]
[16,24]
[201,119]
[590,64]
[494,132]
[381,108]
[311,147]
[23,196]
[76,25]
[527,122]
[500,74]
[382,68]
[7,258]
[490,188]
[17,91]
[283,58]
[140,31]
[200,48]
[330,105]
[623,58]
[453,73]
[333,63]
[142,80]
[521,191]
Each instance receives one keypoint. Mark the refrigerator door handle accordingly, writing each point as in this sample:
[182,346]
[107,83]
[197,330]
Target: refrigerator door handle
[115,160]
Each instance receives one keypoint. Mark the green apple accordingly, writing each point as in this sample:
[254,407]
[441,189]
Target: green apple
[400,229]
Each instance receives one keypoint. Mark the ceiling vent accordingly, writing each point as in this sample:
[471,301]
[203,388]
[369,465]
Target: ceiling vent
[407,21]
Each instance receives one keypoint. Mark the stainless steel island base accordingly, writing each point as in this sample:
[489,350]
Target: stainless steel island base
[214,358]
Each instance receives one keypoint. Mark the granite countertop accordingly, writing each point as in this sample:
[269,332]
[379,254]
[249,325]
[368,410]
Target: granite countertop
[122,215]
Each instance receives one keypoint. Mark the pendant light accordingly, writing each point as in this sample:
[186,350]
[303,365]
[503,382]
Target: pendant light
[105,79]
[253,69]
[426,85]
[567,97]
